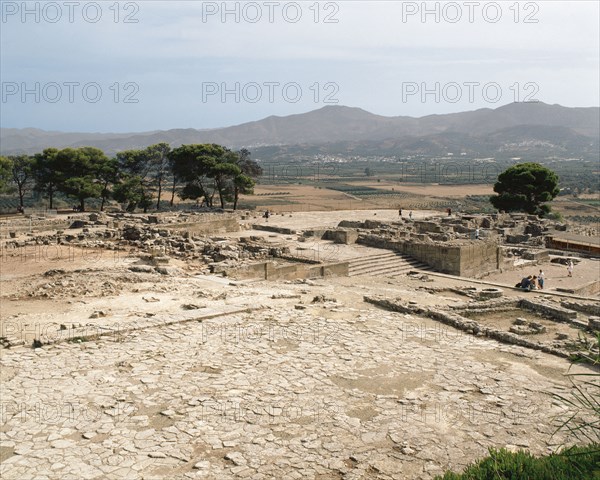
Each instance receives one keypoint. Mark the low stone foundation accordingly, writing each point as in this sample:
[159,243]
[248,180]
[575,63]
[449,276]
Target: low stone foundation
[291,271]
[555,312]
[588,289]
[210,226]
[585,307]
[274,229]
[461,323]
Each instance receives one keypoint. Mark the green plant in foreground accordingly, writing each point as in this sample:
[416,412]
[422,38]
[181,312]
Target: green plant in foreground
[582,422]
[574,463]
[583,419]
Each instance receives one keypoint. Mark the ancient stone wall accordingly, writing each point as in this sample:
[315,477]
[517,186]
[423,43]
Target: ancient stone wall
[210,226]
[274,229]
[272,271]
[461,323]
[556,312]
[585,307]
[588,289]
[345,236]
[479,259]
[471,260]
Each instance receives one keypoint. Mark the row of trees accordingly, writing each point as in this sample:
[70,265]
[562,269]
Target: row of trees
[203,171]
[135,177]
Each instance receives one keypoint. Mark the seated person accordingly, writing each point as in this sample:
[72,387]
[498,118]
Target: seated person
[526,283]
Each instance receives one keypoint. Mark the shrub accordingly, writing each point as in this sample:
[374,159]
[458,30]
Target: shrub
[583,401]
[574,463]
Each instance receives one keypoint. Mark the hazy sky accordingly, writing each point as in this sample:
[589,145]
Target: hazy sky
[134,66]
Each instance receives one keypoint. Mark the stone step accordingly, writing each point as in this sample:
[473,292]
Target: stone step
[421,268]
[378,267]
[377,257]
[388,264]
[393,257]
[383,271]
[359,262]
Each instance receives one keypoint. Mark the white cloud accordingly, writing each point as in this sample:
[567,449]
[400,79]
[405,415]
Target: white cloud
[369,52]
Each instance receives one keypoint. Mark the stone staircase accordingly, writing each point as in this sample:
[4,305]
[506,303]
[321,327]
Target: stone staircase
[389,264]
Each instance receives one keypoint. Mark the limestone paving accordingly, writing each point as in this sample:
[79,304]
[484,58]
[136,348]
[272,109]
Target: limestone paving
[332,389]
[152,366]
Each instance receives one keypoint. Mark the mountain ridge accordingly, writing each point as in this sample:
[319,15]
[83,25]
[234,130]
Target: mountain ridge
[334,124]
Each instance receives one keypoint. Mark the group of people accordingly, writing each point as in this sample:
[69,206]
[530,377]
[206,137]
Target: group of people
[409,213]
[532,282]
[536,282]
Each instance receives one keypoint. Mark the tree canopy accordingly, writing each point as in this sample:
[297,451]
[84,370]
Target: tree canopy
[206,169]
[79,170]
[136,178]
[21,173]
[525,187]
[5,174]
[46,172]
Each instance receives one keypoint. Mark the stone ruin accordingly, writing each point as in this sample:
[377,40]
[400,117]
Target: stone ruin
[446,244]
[182,362]
[449,244]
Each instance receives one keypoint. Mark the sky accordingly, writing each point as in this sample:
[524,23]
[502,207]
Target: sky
[110,66]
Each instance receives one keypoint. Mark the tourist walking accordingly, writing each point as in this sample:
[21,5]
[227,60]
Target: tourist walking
[570,268]
[540,279]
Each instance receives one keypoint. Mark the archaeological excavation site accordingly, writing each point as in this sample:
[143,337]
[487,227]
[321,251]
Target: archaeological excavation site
[350,344]
[299,240]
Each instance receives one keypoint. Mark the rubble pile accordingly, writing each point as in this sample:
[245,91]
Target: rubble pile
[147,235]
[455,230]
[88,282]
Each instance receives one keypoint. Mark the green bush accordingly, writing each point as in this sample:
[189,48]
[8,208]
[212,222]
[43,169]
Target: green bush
[580,463]
[555,216]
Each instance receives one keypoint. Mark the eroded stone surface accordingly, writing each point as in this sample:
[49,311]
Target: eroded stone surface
[351,391]
[167,373]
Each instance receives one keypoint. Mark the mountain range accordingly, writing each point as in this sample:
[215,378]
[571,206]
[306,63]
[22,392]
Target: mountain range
[515,127]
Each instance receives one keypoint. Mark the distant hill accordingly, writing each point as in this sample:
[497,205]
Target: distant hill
[517,125]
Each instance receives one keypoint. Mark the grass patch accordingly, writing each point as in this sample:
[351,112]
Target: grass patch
[573,463]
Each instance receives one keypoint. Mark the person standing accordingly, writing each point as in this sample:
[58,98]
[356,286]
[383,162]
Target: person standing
[477,233]
[410,214]
[570,268]
[540,279]
[400,212]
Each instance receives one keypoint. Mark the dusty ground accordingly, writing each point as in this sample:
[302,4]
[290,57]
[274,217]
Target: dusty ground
[568,206]
[204,378]
[319,219]
[306,198]
[441,191]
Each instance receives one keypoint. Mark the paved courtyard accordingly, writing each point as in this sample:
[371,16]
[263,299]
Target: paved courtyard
[293,390]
